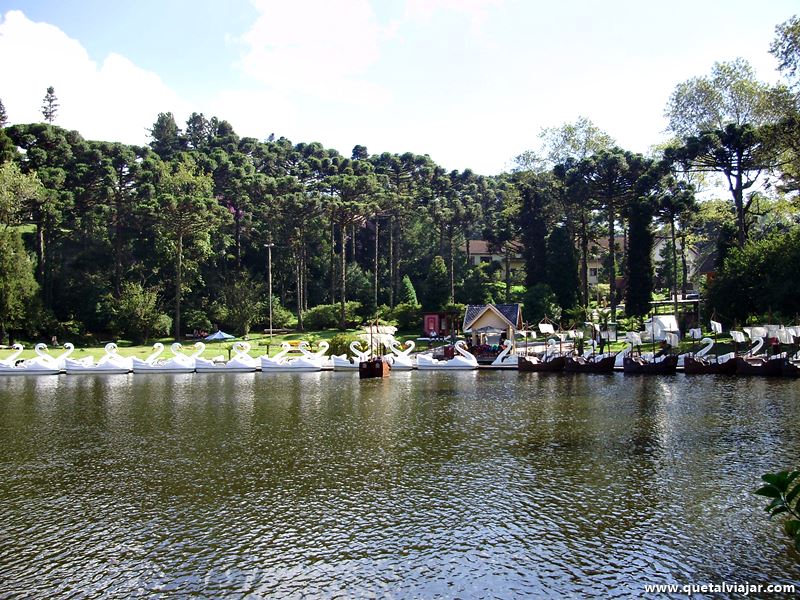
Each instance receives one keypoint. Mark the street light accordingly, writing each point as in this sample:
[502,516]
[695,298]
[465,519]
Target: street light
[269,248]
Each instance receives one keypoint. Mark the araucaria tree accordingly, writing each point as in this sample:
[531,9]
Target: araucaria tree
[50,105]
[187,213]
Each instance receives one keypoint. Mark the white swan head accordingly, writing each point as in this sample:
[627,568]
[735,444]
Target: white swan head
[355,348]
[41,350]
[241,348]
[322,348]
[176,348]
[199,348]
[111,348]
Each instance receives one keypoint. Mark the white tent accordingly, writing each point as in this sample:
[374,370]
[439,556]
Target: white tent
[656,328]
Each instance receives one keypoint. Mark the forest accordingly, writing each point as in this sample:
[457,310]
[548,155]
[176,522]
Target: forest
[106,239]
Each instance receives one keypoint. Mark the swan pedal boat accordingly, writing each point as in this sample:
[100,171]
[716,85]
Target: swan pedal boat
[464,362]
[43,364]
[179,363]
[310,362]
[110,364]
[343,363]
[400,360]
[241,363]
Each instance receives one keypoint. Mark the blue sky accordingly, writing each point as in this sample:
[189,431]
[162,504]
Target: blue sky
[470,82]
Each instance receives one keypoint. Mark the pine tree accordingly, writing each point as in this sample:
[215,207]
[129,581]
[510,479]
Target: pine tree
[639,280]
[562,268]
[407,295]
[50,105]
[3,115]
[437,286]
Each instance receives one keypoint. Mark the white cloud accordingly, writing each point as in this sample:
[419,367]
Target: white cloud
[116,101]
[476,11]
[317,47]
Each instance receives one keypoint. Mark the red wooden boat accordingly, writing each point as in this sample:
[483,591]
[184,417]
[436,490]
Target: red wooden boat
[702,366]
[639,366]
[579,364]
[534,365]
[759,366]
[374,367]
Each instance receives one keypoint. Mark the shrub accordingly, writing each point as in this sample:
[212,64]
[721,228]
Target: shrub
[407,316]
[136,314]
[340,343]
[783,490]
[326,316]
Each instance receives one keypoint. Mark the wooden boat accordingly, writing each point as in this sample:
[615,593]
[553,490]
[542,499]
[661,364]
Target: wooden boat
[579,364]
[790,368]
[639,366]
[701,366]
[759,366]
[373,367]
[534,365]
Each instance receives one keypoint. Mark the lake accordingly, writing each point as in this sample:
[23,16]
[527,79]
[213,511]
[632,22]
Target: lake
[462,484]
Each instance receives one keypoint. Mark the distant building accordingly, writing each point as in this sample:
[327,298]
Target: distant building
[492,319]
[482,252]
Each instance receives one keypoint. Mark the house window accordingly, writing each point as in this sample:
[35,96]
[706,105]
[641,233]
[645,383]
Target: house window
[592,272]
[486,259]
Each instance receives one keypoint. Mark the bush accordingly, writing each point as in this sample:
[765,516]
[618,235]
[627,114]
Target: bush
[340,343]
[783,490]
[326,316]
[196,320]
[136,314]
[282,317]
[407,316]
[540,302]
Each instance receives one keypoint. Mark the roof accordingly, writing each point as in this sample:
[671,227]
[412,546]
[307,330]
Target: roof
[510,312]
[484,247]
[709,264]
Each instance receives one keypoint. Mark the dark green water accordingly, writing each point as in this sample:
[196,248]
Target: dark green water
[426,484]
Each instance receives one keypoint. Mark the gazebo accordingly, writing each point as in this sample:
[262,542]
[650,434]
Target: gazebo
[492,318]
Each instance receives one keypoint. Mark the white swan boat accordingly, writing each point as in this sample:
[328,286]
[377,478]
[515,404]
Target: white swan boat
[241,363]
[343,363]
[309,362]
[43,364]
[401,360]
[464,362]
[179,363]
[109,364]
[11,360]
[503,359]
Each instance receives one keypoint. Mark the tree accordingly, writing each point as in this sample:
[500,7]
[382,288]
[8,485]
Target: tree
[187,213]
[17,189]
[407,294]
[610,177]
[676,199]
[730,95]
[437,292]
[759,278]
[360,152]
[17,283]
[786,48]
[243,303]
[3,115]
[741,153]
[50,105]
[562,268]
[136,313]
[639,281]
[166,137]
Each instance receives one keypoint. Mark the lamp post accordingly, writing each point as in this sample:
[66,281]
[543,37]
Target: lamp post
[269,247]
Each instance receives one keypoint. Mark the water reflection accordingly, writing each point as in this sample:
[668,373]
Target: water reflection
[457,484]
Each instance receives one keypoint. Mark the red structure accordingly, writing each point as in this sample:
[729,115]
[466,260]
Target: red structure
[440,324]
